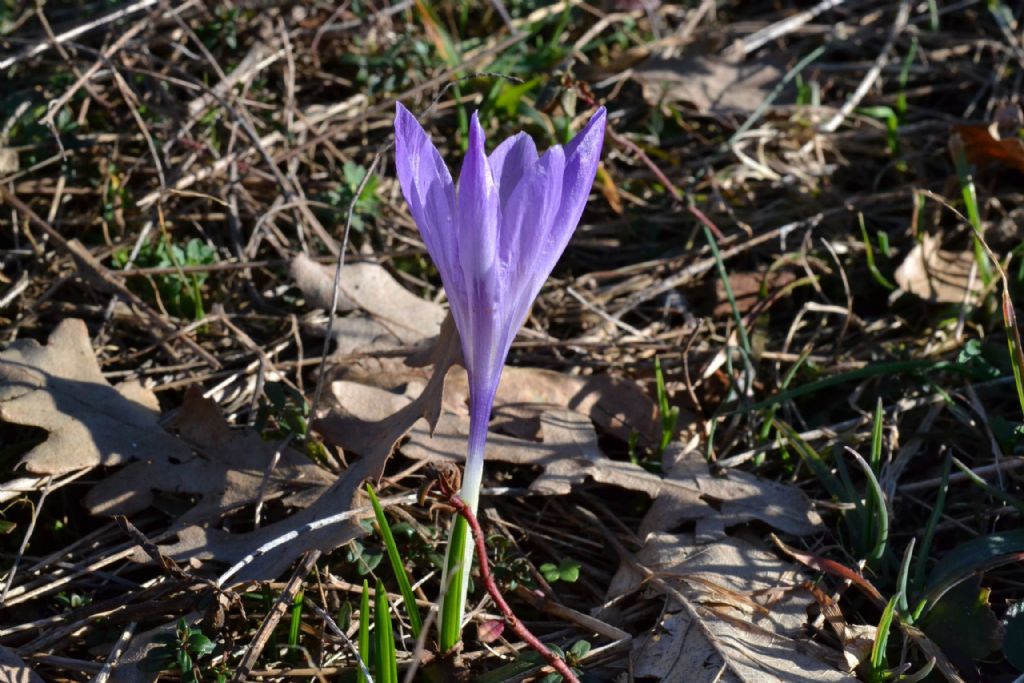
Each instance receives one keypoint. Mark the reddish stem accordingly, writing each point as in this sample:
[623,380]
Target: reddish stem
[553,660]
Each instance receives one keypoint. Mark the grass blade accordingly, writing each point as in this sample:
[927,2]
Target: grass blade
[901,581]
[1013,341]
[869,253]
[451,611]
[970,197]
[876,437]
[386,670]
[812,458]
[881,538]
[669,414]
[974,556]
[879,662]
[295,626]
[404,585]
[1012,501]
[723,275]
[873,370]
[364,632]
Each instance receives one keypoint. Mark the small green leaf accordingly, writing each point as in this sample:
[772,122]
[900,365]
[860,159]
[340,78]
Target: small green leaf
[971,358]
[365,560]
[354,174]
[569,571]
[579,650]
[344,618]
[199,644]
[184,661]
[403,529]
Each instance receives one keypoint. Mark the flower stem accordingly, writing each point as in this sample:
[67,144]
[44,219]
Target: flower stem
[459,560]
[468,518]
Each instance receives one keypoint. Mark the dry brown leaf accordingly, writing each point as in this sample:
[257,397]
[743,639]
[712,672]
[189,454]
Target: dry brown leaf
[713,85]
[372,440]
[747,288]
[246,456]
[59,387]
[382,313]
[301,532]
[370,421]
[705,636]
[13,670]
[618,406]
[984,145]
[569,454]
[936,275]
[226,472]
[857,639]
[709,631]
[735,496]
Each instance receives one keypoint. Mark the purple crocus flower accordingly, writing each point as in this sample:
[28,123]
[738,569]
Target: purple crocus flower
[495,239]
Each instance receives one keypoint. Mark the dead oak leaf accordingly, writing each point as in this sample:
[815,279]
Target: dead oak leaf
[618,406]
[749,289]
[569,454]
[713,85]
[736,497]
[718,624]
[227,471]
[267,552]
[381,312]
[59,387]
[370,421]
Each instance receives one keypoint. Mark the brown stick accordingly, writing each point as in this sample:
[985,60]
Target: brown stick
[460,506]
[259,641]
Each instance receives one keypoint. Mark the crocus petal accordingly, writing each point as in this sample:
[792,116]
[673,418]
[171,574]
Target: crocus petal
[528,223]
[541,239]
[477,208]
[592,133]
[478,217]
[582,155]
[429,191]
[509,162]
